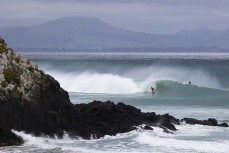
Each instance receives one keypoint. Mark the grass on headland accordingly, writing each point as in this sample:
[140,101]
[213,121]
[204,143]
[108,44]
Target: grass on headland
[3,45]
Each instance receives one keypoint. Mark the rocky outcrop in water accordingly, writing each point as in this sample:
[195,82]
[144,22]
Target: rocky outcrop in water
[209,122]
[34,102]
[107,118]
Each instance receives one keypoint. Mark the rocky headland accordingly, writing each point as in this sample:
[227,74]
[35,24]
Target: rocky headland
[34,102]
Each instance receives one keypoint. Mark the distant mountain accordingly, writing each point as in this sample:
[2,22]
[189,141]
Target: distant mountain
[84,33]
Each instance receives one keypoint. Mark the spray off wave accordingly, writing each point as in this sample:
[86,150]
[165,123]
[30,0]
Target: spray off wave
[97,83]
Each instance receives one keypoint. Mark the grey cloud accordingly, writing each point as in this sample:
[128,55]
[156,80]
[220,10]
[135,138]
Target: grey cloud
[201,3]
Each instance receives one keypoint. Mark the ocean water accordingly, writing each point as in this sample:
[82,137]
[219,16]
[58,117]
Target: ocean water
[128,78]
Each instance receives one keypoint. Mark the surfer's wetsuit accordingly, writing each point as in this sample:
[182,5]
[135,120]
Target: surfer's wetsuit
[152,90]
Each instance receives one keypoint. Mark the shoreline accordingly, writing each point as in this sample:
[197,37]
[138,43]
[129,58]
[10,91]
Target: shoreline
[108,118]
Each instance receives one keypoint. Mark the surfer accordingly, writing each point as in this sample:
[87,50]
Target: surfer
[152,90]
[189,82]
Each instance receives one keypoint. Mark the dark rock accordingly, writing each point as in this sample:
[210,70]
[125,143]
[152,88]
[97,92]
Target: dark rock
[7,138]
[171,119]
[224,125]
[213,121]
[166,121]
[190,121]
[107,118]
[209,122]
[166,130]
[168,125]
[147,127]
[48,112]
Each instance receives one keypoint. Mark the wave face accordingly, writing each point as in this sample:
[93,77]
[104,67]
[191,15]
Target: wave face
[167,87]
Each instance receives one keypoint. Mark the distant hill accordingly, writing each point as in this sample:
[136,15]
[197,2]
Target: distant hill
[84,33]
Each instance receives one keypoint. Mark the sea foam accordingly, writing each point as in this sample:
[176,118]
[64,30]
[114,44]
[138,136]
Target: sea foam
[203,140]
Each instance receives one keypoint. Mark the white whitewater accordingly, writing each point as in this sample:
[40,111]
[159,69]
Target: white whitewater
[136,141]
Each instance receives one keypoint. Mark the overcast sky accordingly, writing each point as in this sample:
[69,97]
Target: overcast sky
[156,16]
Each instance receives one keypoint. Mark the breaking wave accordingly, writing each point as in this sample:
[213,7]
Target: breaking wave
[139,80]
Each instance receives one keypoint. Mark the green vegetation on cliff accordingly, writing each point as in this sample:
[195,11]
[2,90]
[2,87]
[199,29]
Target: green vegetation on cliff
[31,69]
[4,84]
[3,45]
[9,75]
[17,59]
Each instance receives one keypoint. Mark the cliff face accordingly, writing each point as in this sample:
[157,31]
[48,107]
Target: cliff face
[33,101]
